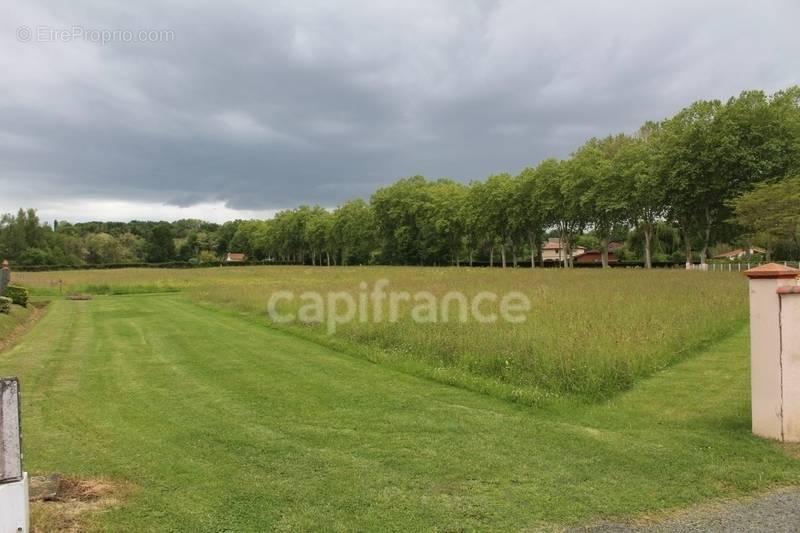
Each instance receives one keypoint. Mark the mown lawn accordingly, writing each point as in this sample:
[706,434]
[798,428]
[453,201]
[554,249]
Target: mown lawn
[10,322]
[222,424]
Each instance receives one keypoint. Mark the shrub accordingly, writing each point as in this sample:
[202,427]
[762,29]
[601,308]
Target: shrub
[18,295]
[5,305]
[207,257]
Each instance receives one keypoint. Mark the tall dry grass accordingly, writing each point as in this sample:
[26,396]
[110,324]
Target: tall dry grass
[590,332]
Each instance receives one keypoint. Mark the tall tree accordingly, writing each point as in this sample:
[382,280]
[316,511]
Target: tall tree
[161,247]
[317,232]
[477,231]
[500,194]
[353,232]
[446,224]
[710,153]
[607,197]
[564,189]
[688,151]
[773,210]
[646,201]
[400,214]
[529,210]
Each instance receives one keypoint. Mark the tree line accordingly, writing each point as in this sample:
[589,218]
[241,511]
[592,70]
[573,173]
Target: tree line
[715,174]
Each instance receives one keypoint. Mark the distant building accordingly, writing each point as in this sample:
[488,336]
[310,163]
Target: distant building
[595,256]
[552,250]
[235,258]
[741,253]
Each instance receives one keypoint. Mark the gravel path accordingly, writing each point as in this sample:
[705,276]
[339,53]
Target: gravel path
[776,512]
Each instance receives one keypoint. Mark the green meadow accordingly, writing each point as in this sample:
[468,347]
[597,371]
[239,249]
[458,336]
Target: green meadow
[589,332]
[626,395]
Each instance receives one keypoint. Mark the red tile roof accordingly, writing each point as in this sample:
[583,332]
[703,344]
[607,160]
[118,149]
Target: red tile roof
[740,251]
[772,270]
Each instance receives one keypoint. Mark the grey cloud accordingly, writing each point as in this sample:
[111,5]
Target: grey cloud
[272,104]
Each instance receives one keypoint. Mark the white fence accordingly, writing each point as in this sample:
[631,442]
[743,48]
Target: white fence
[736,266]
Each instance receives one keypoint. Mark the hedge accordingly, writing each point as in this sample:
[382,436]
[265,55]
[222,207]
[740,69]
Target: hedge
[171,264]
[5,305]
[18,295]
[192,265]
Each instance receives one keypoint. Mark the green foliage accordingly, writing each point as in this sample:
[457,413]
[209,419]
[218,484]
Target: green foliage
[771,212]
[664,241]
[642,187]
[19,295]
[563,187]
[103,248]
[317,232]
[161,247]
[5,305]
[352,233]
[400,211]
[25,240]
[711,152]
[207,256]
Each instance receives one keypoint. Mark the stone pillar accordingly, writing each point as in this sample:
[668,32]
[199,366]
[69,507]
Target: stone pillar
[5,276]
[775,351]
[13,480]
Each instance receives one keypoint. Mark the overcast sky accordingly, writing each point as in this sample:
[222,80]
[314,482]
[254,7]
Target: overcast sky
[241,108]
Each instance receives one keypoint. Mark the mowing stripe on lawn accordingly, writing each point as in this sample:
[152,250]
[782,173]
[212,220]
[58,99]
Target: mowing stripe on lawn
[222,423]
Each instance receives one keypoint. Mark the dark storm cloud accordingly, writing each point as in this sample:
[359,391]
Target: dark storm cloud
[266,105]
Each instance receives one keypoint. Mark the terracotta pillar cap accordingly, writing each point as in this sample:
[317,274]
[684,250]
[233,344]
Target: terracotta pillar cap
[772,271]
[5,263]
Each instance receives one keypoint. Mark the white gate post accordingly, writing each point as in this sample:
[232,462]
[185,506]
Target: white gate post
[13,480]
[775,351]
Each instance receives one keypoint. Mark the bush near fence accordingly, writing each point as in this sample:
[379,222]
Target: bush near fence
[5,305]
[18,295]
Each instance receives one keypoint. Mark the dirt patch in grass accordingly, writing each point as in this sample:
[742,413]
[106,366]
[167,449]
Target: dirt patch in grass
[79,297]
[36,311]
[68,504]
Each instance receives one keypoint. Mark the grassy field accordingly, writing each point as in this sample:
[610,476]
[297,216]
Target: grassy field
[591,333]
[10,322]
[214,422]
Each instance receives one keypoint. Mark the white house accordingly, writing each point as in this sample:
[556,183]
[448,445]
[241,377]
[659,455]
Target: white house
[741,253]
